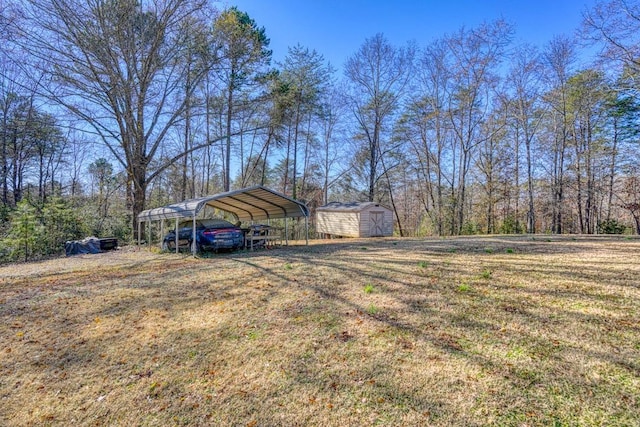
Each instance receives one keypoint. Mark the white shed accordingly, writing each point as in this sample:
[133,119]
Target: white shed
[366,219]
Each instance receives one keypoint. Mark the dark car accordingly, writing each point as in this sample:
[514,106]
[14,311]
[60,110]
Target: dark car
[211,234]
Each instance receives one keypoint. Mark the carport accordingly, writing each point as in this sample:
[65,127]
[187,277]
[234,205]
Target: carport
[248,204]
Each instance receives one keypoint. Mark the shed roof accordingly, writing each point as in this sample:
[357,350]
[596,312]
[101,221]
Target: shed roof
[349,206]
[248,204]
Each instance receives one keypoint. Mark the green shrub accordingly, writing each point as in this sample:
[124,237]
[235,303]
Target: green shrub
[511,226]
[33,233]
[24,232]
[610,226]
[470,228]
[61,224]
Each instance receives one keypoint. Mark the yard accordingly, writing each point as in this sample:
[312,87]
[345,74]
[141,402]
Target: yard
[516,331]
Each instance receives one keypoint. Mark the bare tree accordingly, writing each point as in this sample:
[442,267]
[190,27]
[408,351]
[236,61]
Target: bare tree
[559,59]
[119,66]
[587,96]
[615,24]
[475,56]
[332,113]
[378,73]
[525,82]
[630,196]
[494,162]
[431,134]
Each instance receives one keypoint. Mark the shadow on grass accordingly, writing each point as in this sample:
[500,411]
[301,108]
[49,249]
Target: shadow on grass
[289,337]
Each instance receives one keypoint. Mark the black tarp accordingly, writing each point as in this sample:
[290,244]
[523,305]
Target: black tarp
[90,245]
[108,243]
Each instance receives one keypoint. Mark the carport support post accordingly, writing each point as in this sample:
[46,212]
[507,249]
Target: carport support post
[286,232]
[177,248]
[193,231]
[306,228]
[139,232]
[161,231]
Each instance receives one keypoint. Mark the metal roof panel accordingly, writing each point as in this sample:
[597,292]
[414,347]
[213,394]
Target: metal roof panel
[248,204]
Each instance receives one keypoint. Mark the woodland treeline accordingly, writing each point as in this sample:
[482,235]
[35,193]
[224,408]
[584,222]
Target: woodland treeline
[109,107]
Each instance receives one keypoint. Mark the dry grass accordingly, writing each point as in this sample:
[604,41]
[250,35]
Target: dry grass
[469,331]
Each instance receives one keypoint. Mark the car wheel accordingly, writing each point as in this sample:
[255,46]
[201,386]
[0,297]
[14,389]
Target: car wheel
[195,246]
[165,246]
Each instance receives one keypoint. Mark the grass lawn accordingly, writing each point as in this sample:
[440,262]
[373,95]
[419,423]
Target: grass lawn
[520,331]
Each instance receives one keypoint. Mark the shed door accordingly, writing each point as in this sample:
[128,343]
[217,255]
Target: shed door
[376,224]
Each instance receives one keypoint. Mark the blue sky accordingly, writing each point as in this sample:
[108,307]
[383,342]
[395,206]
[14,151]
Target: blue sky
[337,28]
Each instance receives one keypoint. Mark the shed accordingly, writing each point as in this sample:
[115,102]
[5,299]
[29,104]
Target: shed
[355,219]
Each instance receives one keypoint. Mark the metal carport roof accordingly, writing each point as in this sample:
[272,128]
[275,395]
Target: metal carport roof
[248,204]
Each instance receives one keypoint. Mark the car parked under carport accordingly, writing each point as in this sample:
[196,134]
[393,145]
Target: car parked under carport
[211,235]
[247,205]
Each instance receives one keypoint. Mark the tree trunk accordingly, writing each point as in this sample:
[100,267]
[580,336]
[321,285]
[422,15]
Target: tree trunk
[517,183]
[285,181]
[227,154]
[187,129]
[138,194]
[612,168]
[531,220]
[4,157]
[374,145]
[294,190]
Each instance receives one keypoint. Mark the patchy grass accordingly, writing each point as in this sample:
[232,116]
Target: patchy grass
[464,287]
[549,336]
[486,274]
